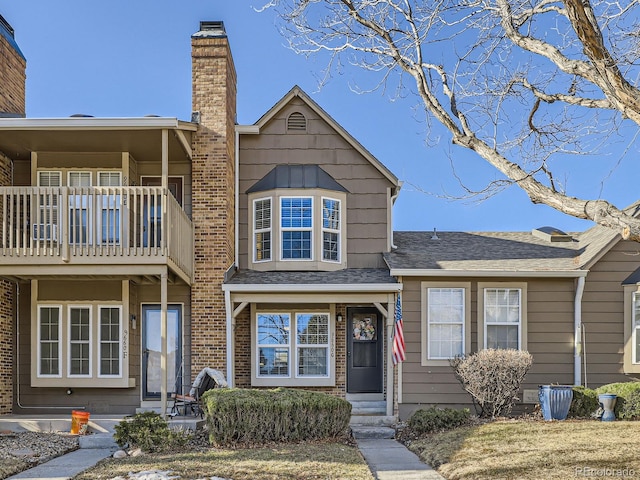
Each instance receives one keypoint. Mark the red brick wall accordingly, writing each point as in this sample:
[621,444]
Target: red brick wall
[214,96]
[12,78]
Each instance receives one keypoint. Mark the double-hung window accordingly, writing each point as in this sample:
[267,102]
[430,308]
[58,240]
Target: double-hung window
[293,347]
[632,328]
[635,329]
[330,229]
[296,225]
[110,341]
[446,321]
[262,229]
[45,224]
[80,208]
[49,341]
[274,344]
[503,318]
[79,352]
[110,214]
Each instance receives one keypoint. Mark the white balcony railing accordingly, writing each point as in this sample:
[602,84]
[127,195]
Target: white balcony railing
[40,223]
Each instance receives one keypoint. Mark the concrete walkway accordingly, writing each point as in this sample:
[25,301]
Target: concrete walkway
[388,459]
[65,466]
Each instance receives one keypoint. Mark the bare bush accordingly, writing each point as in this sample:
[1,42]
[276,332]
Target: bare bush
[493,378]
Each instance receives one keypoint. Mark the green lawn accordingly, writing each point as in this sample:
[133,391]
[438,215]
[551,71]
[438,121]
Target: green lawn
[534,450]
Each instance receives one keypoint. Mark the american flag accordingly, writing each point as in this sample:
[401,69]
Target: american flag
[398,335]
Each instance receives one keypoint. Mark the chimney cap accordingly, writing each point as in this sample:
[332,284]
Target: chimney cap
[211,29]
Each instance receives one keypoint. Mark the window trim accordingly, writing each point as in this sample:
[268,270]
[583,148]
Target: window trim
[330,230]
[318,346]
[68,343]
[99,341]
[99,174]
[424,334]
[39,339]
[273,345]
[293,379]
[630,332]
[311,229]
[255,230]
[482,324]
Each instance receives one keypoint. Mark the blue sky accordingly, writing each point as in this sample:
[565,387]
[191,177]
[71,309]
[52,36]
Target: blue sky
[121,58]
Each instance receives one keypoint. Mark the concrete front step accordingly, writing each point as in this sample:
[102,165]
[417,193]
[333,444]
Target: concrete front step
[97,440]
[361,432]
[372,420]
[360,407]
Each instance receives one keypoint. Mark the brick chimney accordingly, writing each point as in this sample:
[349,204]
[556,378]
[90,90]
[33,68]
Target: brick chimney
[13,66]
[213,180]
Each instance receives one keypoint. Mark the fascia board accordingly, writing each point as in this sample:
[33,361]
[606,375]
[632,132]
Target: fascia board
[84,123]
[367,287]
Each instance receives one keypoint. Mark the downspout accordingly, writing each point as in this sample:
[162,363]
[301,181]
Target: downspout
[577,326]
[392,201]
[237,202]
[229,315]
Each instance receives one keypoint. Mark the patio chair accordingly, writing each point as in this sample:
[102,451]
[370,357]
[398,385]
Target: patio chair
[207,379]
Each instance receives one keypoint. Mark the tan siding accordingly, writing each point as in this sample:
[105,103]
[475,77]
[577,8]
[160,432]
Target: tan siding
[603,313]
[550,341]
[320,145]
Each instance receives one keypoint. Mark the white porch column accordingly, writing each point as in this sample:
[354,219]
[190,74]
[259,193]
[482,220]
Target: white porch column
[390,320]
[163,343]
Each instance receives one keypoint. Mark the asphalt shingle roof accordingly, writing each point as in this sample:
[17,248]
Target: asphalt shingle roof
[351,276]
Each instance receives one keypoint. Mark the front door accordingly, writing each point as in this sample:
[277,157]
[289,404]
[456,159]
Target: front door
[364,350]
[152,348]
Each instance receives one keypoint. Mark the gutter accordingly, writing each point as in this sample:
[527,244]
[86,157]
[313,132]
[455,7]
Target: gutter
[289,288]
[426,272]
[577,326]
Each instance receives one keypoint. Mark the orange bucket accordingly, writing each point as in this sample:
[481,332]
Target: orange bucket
[79,422]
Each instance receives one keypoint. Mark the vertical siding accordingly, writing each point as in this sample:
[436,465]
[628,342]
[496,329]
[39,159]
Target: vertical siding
[321,145]
[550,340]
[603,314]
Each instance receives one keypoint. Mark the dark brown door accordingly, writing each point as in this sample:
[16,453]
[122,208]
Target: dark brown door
[364,350]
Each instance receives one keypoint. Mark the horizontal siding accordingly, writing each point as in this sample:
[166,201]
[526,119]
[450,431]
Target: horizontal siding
[366,214]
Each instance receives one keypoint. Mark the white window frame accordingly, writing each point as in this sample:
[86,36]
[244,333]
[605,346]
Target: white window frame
[483,287]
[100,341]
[60,341]
[317,346]
[257,230]
[337,231]
[109,174]
[69,342]
[274,346]
[425,331]
[310,229]
[631,329]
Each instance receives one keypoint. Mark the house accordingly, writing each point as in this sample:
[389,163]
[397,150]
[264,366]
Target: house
[136,251]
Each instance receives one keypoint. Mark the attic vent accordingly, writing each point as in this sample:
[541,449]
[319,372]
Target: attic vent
[551,234]
[297,122]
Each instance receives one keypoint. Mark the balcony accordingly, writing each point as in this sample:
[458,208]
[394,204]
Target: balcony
[126,228]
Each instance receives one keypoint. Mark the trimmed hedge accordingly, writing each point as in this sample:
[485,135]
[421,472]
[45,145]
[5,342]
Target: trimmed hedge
[586,404]
[280,415]
[434,419]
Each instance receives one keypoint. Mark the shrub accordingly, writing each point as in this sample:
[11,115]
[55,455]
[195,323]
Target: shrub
[631,408]
[623,390]
[280,415]
[493,378]
[149,432]
[434,419]
[584,404]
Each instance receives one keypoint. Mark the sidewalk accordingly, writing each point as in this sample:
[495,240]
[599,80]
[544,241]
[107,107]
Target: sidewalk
[65,466]
[390,460]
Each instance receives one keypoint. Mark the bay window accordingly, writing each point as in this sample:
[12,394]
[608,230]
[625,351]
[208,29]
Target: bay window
[288,232]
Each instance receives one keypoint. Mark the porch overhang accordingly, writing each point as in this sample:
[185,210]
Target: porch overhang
[139,136]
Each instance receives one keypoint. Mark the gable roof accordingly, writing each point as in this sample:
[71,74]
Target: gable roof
[297,92]
[296,176]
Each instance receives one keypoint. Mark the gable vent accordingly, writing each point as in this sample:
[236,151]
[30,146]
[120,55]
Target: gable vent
[551,234]
[297,122]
